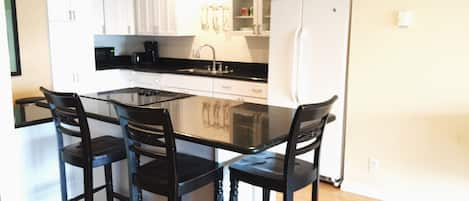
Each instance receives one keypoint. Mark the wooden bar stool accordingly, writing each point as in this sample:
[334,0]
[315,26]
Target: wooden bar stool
[285,173]
[149,132]
[70,119]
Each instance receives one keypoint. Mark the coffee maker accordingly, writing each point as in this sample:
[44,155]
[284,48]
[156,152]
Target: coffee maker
[151,54]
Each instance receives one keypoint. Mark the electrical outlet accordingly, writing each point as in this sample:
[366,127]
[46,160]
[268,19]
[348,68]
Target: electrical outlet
[373,165]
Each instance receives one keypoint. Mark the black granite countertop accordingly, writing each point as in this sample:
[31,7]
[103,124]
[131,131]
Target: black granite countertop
[27,113]
[231,125]
[256,72]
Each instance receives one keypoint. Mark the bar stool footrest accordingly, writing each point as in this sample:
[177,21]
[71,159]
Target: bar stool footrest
[120,197]
[81,196]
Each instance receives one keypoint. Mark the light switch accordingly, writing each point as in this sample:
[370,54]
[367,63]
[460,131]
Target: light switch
[405,19]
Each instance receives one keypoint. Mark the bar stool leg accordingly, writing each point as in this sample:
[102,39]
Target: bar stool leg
[315,190]
[265,194]
[288,196]
[109,187]
[218,191]
[234,189]
[63,178]
[88,182]
[140,195]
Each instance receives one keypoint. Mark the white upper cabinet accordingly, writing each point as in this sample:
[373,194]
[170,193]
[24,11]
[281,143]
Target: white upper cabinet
[68,10]
[263,17]
[166,17]
[119,17]
[98,11]
[251,17]
[71,67]
[59,10]
[143,14]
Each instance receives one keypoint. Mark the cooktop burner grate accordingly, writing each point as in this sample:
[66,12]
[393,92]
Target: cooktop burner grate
[137,96]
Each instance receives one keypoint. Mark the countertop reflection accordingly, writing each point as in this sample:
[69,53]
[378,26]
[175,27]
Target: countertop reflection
[236,126]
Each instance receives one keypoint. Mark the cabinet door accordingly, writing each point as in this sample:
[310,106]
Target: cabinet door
[98,16]
[119,17]
[144,15]
[263,17]
[160,16]
[59,10]
[72,68]
[171,17]
[82,11]
[63,74]
[244,20]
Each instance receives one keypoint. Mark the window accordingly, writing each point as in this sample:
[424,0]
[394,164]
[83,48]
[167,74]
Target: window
[12,31]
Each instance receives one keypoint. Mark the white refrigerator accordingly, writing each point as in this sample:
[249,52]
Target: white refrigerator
[308,64]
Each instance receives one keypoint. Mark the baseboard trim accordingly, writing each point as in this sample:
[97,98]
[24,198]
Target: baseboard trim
[361,189]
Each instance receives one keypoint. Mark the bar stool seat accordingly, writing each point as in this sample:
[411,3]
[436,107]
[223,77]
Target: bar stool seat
[267,167]
[104,150]
[193,173]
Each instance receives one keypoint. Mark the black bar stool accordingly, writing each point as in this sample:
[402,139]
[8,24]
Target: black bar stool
[285,173]
[70,119]
[149,132]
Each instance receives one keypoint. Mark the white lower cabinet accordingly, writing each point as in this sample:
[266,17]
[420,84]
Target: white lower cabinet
[243,88]
[240,98]
[252,92]
[194,85]
[245,91]
[145,80]
[110,80]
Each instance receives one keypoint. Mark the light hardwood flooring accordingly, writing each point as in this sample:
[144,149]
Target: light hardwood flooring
[326,193]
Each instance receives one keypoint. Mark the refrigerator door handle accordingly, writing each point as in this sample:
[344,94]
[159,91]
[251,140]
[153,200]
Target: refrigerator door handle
[296,65]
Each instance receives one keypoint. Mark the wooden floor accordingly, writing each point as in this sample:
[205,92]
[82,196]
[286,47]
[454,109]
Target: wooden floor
[326,193]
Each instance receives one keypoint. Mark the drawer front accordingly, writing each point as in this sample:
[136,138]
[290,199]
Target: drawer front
[240,98]
[187,82]
[188,91]
[243,88]
[146,80]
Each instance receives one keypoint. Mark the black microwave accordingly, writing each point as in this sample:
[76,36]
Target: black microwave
[104,56]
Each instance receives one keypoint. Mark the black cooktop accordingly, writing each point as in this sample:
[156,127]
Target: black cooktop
[137,96]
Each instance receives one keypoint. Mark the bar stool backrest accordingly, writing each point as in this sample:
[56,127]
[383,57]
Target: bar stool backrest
[307,127]
[69,118]
[145,131]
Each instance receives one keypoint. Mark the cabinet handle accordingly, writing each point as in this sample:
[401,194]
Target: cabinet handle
[226,87]
[256,90]
[128,29]
[70,15]
[103,29]
[254,28]
[74,16]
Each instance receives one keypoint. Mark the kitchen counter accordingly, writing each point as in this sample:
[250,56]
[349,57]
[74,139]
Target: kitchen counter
[231,125]
[255,72]
[27,113]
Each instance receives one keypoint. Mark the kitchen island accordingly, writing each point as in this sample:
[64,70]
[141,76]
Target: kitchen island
[211,128]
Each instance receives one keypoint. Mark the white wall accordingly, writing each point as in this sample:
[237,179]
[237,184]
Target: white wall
[408,101]
[33,39]
[8,184]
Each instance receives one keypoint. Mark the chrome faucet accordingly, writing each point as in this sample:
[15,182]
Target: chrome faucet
[214,61]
